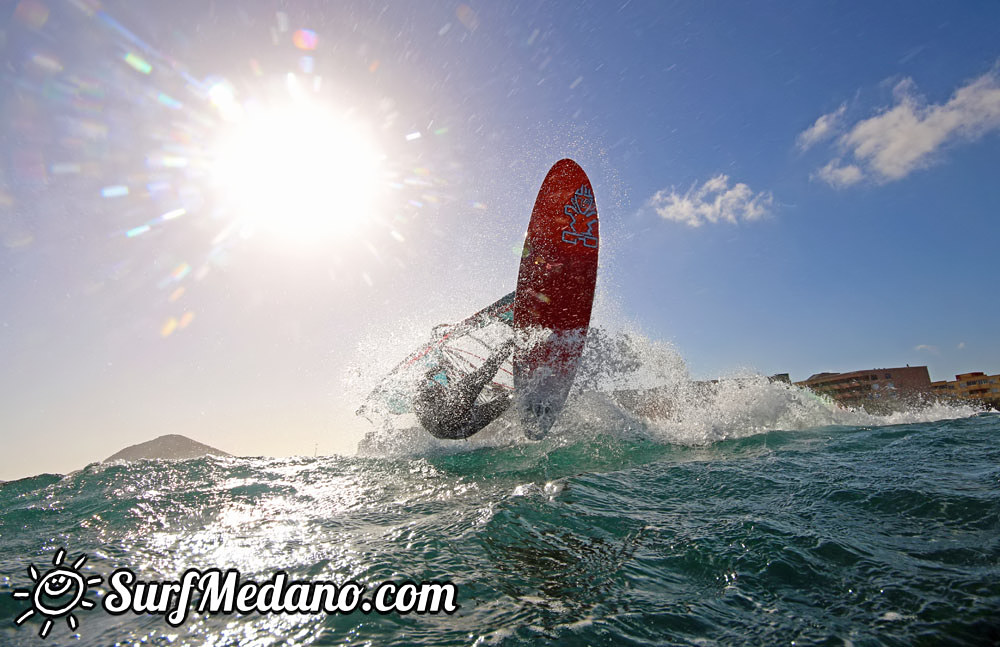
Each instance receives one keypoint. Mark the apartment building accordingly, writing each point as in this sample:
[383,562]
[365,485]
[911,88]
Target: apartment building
[877,388]
[976,386]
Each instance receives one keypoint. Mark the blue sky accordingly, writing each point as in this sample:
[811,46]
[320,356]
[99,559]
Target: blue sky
[783,187]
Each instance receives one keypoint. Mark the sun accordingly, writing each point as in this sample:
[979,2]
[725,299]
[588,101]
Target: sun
[57,593]
[298,171]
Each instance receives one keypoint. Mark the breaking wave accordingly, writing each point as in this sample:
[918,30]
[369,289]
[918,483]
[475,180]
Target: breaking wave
[630,387]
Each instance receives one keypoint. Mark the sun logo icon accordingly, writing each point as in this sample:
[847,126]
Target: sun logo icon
[57,593]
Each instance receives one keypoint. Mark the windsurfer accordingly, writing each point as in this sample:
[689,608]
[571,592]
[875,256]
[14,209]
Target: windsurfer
[446,408]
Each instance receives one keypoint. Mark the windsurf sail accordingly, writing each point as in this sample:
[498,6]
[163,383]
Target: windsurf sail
[457,349]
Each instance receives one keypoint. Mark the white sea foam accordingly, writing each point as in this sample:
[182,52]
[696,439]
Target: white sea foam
[629,385]
[647,387]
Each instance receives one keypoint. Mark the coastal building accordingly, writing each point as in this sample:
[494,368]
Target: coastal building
[877,388]
[976,386]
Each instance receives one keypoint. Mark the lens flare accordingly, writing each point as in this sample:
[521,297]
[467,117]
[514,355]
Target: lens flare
[305,39]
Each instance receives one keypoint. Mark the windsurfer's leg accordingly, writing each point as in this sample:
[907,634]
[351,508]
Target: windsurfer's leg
[470,386]
[484,414]
[481,416]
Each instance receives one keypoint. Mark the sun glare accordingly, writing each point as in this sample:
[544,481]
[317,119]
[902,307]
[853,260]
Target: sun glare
[299,172]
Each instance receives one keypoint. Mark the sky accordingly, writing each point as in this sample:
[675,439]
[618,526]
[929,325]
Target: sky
[221,219]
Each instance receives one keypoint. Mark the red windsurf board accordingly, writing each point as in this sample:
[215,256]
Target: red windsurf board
[555,294]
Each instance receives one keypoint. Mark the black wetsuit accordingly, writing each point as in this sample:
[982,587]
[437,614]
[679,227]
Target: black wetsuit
[450,412]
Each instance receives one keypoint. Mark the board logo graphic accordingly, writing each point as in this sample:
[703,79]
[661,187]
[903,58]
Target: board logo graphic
[583,216]
[57,593]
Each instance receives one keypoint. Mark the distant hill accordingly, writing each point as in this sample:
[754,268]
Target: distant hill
[172,446]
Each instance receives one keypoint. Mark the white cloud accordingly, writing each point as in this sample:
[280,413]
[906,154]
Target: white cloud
[961,345]
[824,128]
[907,136]
[926,347]
[713,201]
[837,175]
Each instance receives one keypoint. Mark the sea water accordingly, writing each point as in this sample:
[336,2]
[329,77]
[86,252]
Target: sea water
[745,511]
[608,532]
